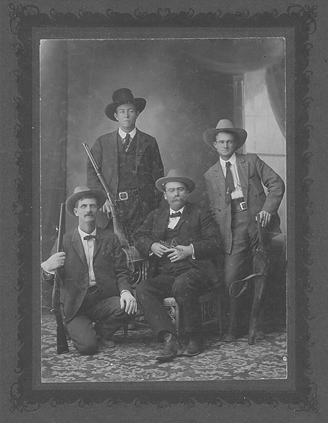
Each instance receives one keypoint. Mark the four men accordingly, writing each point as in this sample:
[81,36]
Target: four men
[181,239]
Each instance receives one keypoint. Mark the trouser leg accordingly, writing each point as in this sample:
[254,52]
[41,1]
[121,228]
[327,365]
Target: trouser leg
[186,290]
[260,265]
[150,295]
[105,312]
[109,317]
[82,334]
[235,268]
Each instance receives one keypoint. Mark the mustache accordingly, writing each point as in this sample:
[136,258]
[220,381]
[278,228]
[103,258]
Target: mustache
[89,214]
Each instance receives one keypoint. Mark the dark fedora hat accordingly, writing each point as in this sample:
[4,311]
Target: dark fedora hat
[80,192]
[175,175]
[123,96]
[225,125]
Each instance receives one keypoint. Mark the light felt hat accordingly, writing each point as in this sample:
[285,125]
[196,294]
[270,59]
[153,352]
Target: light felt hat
[80,192]
[225,125]
[175,175]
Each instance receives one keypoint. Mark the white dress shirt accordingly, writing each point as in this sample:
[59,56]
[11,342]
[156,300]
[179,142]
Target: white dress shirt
[123,134]
[173,221]
[89,246]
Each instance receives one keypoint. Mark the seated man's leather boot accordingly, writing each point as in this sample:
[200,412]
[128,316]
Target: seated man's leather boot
[170,348]
[194,346]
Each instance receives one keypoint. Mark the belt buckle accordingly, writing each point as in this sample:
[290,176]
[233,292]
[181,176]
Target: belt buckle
[243,205]
[123,195]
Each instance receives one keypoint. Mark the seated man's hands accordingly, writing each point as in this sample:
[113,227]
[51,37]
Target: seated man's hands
[159,249]
[180,252]
[54,262]
[128,302]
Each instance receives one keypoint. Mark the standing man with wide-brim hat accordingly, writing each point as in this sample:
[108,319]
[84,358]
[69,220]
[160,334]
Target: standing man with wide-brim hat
[184,271]
[130,163]
[95,282]
[235,186]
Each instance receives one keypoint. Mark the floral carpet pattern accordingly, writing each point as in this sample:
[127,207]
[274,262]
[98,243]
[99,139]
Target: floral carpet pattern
[133,359]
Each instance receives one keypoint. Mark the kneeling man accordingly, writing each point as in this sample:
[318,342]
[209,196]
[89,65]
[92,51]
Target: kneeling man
[185,270]
[95,284]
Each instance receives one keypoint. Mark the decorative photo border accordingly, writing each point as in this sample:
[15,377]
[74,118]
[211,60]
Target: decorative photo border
[300,392]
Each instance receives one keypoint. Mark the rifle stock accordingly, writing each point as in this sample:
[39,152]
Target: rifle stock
[118,228]
[62,345]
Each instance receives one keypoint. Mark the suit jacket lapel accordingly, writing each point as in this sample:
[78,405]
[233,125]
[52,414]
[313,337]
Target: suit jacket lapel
[98,242]
[110,157]
[77,244]
[243,174]
[184,216]
[219,177]
[162,221]
[141,147]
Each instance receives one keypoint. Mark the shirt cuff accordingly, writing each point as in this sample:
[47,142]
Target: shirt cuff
[193,252]
[124,290]
[46,272]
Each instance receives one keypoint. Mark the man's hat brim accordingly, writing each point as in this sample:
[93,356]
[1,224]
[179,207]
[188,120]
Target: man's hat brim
[190,184]
[100,197]
[210,134]
[140,104]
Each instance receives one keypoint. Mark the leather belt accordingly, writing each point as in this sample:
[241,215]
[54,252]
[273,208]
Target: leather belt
[128,194]
[92,289]
[238,205]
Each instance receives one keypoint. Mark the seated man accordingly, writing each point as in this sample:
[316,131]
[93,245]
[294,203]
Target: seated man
[184,271]
[94,276]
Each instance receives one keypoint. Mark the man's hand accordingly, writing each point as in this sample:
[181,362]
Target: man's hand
[106,207]
[264,217]
[128,302]
[159,249]
[54,262]
[180,252]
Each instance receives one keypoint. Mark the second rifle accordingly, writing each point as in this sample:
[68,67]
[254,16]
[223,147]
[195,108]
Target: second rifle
[117,225]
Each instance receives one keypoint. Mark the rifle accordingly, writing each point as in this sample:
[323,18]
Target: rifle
[118,228]
[62,346]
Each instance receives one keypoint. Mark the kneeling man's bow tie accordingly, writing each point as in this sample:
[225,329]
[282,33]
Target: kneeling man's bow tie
[87,237]
[177,214]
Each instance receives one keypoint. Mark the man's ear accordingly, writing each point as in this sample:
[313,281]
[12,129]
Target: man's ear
[164,194]
[75,211]
[115,116]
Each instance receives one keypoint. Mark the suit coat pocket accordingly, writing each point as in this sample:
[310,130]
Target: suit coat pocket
[255,182]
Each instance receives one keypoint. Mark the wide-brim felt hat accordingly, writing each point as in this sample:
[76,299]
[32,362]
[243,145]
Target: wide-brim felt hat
[124,96]
[80,192]
[175,175]
[225,125]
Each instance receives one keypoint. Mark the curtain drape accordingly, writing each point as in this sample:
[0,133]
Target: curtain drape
[239,56]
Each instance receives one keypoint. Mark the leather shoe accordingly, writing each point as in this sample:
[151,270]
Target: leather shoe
[194,347]
[106,343]
[228,337]
[170,348]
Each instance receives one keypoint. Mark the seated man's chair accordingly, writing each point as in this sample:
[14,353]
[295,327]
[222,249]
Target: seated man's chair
[211,309]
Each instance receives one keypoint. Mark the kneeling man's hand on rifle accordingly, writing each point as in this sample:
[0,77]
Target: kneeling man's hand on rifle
[54,262]
[128,302]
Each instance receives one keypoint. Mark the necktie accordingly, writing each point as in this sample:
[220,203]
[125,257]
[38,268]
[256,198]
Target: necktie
[229,186]
[126,142]
[87,237]
[177,214]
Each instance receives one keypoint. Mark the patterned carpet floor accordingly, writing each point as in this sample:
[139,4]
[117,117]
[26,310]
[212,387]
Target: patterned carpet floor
[133,359]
